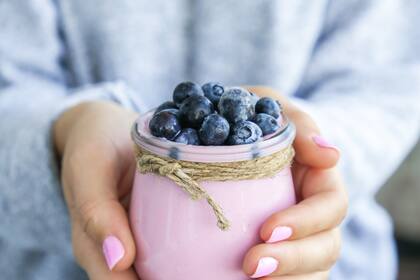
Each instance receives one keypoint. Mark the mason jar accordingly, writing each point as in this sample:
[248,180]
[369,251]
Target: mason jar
[176,236]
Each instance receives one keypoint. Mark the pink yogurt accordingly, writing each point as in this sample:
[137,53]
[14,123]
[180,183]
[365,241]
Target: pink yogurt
[176,237]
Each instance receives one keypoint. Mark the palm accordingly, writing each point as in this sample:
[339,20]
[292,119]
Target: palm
[86,247]
[97,171]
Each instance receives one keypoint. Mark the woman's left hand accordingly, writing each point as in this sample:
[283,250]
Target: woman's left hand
[303,241]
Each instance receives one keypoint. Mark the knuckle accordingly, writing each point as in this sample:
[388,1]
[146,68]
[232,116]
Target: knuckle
[295,258]
[341,202]
[323,275]
[342,207]
[333,249]
[299,261]
[308,225]
[76,248]
[345,204]
[343,198]
[88,213]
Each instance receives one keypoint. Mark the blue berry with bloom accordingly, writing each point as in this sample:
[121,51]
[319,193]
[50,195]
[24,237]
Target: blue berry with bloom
[268,106]
[194,109]
[188,136]
[213,91]
[244,132]
[236,104]
[184,90]
[267,123]
[214,131]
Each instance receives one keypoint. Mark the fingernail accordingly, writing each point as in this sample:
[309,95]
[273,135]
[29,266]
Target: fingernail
[113,251]
[279,234]
[323,143]
[265,267]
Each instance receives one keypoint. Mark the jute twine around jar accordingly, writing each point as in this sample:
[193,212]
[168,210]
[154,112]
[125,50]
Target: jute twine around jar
[188,174]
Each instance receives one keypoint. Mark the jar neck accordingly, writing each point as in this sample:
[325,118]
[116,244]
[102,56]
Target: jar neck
[164,148]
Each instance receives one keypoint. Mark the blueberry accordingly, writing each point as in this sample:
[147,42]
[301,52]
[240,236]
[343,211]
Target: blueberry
[268,106]
[176,112]
[185,90]
[267,123]
[166,105]
[236,105]
[214,131]
[244,132]
[165,124]
[194,109]
[188,136]
[213,91]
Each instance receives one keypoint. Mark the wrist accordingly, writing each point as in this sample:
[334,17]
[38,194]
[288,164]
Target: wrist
[63,125]
[88,111]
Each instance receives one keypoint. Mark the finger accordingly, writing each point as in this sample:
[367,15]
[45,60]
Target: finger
[311,148]
[95,205]
[324,206]
[91,260]
[316,253]
[99,274]
[322,275]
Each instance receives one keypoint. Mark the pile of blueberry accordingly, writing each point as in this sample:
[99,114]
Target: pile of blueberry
[215,115]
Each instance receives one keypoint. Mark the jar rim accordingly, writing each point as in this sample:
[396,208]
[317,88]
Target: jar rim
[211,154]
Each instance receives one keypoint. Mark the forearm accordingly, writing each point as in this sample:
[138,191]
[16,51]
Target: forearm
[31,197]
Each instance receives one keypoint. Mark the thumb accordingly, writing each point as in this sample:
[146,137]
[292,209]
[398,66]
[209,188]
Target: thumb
[105,221]
[95,206]
[311,148]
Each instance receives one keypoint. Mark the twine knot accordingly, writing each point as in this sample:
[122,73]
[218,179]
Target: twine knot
[169,168]
[150,163]
[187,174]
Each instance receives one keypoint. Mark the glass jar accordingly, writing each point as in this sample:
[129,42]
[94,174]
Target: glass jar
[177,237]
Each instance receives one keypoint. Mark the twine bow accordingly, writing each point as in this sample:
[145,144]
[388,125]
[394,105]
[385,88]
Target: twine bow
[187,174]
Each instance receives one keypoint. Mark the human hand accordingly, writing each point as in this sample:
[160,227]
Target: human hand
[303,241]
[96,172]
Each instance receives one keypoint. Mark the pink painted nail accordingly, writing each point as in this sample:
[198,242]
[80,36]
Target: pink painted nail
[321,142]
[113,251]
[265,267]
[279,234]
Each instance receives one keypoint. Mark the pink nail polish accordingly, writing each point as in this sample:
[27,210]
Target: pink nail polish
[321,142]
[280,234]
[265,267]
[113,251]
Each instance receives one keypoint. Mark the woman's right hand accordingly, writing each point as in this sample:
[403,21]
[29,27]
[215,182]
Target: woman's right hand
[303,241]
[93,141]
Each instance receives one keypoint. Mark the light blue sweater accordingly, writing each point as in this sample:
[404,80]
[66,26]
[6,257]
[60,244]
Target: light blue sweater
[354,65]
